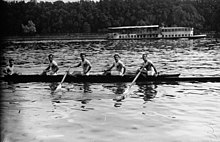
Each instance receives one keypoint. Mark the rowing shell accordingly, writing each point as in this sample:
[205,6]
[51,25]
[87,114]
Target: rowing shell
[105,79]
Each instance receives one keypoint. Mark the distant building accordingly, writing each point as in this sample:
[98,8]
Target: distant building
[151,32]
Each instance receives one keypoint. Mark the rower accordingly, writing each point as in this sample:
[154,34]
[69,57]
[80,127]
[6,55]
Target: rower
[118,64]
[9,70]
[52,68]
[148,67]
[86,65]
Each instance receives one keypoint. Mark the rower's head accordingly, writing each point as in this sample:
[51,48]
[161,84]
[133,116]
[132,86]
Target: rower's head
[50,57]
[116,57]
[11,62]
[144,57]
[82,55]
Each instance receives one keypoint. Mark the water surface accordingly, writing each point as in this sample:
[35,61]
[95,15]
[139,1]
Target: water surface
[177,111]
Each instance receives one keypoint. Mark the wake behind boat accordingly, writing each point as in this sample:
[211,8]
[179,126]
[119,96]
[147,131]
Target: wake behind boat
[105,78]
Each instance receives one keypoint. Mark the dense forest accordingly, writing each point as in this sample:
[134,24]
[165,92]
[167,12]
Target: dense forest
[18,18]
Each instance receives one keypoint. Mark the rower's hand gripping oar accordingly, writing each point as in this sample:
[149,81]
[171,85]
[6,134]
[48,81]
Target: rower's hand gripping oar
[126,93]
[60,85]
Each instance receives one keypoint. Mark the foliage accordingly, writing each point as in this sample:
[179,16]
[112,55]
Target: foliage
[29,28]
[90,16]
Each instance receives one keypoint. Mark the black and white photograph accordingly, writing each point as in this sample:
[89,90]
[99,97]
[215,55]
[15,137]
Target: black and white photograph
[110,70]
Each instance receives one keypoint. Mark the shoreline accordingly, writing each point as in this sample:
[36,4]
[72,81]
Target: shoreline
[55,37]
[62,38]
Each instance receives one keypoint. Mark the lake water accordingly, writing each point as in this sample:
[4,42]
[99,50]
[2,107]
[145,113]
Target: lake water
[175,112]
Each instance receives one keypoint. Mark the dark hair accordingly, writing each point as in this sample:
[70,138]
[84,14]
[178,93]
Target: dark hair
[117,55]
[11,60]
[144,54]
[50,55]
[81,54]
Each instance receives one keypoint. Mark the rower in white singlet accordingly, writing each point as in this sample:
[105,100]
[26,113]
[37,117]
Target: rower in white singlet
[86,65]
[148,67]
[9,70]
[52,68]
[119,66]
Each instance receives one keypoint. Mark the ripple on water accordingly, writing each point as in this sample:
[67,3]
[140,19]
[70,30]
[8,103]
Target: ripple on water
[180,111]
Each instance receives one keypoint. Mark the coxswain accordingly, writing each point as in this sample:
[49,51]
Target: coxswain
[119,66]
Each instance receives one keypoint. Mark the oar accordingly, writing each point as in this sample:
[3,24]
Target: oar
[126,93]
[60,85]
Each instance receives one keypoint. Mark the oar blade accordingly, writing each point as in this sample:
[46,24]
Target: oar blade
[119,98]
[126,91]
[58,87]
[124,95]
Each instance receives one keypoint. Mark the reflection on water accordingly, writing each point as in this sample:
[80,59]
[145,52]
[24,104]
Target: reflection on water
[149,91]
[53,86]
[116,88]
[86,88]
[178,111]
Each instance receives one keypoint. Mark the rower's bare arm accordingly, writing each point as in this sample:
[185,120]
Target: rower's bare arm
[47,69]
[124,70]
[141,68]
[5,71]
[57,68]
[89,68]
[78,65]
[110,68]
[155,69]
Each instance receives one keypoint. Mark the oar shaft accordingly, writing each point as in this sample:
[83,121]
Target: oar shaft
[126,93]
[65,76]
[135,78]
[127,90]
[60,85]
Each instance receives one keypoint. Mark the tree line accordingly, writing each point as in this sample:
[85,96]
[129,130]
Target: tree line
[95,17]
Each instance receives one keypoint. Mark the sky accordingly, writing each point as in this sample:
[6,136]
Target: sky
[49,0]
